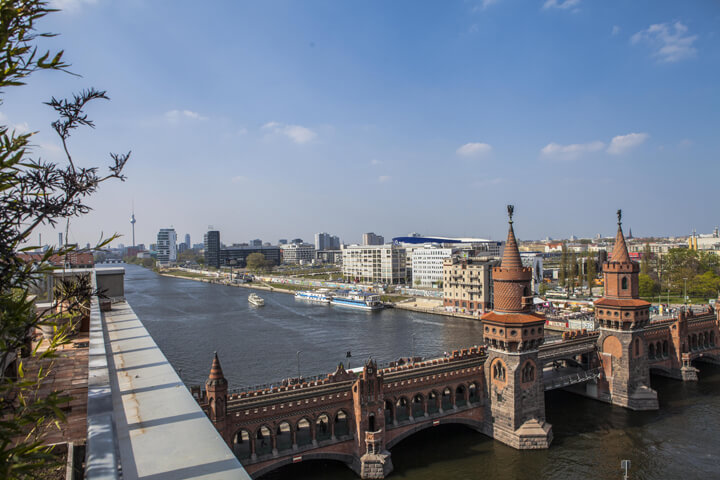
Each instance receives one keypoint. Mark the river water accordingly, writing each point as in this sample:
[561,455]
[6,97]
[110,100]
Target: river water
[190,320]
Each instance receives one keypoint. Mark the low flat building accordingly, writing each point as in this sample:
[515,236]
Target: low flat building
[236,256]
[467,284]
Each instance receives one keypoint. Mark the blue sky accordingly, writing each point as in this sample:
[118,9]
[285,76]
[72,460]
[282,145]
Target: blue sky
[279,119]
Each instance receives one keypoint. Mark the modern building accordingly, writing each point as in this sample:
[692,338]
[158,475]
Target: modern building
[282,241]
[372,239]
[236,256]
[329,256]
[256,243]
[187,241]
[385,264]
[427,265]
[325,241]
[467,284]
[297,253]
[212,248]
[166,246]
[534,260]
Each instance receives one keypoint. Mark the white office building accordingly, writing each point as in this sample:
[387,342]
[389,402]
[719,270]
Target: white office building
[166,246]
[386,264]
[297,253]
[427,266]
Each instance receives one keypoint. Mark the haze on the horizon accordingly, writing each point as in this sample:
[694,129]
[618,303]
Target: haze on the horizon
[281,119]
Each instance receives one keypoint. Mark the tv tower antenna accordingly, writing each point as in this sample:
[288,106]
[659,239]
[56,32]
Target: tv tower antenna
[132,221]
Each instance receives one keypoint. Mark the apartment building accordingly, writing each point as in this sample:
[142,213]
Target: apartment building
[427,266]
[467,284]
[385,264]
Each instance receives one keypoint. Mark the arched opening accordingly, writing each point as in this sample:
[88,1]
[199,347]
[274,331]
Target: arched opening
[474,393]
[342,424]
[389,413]
[263,441]
[693,344]
[303,433]
[446,399]
[706,340]
[371,422]
[665,348]
[651,351]
[432,402]
[241,445]
[658,350]
[460,398]
[528,373]
[402,409]
[624,283]
[712,338]
[322,428]
[637,347]
[283,436]
[418,406]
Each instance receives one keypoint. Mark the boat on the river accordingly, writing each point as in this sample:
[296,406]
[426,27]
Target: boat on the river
[357,299]
[319,296]
[256,300]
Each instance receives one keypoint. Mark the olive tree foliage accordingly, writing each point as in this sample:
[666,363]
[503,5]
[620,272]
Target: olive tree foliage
[35,192]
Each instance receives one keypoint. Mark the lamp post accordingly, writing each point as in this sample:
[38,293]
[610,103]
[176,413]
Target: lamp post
[298,365]
[685,299]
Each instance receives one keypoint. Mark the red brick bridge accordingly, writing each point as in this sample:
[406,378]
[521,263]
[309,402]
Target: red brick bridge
[496,388]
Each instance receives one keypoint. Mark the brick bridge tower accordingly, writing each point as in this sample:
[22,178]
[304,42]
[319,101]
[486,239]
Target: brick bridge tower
[216,387]
[623,316]
[369,406]
[512,333]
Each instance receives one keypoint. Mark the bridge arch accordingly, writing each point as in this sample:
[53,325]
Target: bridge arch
[433,401]
[474,424]
[323,427]
[402,409]
[304,432]
[418,405]
[447,398]
[306,457]
[243,445]
[474,395]
[341,423]
[389,412]
[284,436]
[264,440]
[461,395]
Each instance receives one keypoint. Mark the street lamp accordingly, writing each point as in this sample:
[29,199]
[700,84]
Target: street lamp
[685,299]
[298,363]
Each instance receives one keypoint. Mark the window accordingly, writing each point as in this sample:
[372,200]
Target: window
[624,283]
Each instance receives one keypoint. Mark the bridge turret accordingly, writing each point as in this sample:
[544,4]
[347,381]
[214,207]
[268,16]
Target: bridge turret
[623,317]
[216,387]
[513,333]
[369,402]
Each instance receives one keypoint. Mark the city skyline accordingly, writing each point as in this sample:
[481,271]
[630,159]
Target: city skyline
[390,118]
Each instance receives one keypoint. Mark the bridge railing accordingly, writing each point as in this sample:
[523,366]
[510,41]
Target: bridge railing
[581,376]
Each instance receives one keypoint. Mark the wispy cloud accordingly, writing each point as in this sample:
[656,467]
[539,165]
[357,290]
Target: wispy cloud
[384,178]
[615,30]
[483,4]
[71,4]
[19,128]
[555,151]
[375,161]
[561,4]
[474,149]
[175,116]
[622,143]
[238,179]
[670,42]
[296,133]
[488,182]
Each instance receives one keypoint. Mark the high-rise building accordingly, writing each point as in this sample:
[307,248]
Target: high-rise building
[282,241]
[325,241]
[166,246]
[187,241]
[256,243]
[212,248]
[372,239]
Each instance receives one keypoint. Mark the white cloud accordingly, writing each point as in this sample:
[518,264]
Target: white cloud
[238,179]
[384,178]
[71,4]
[20,128]
[242,131]
[296,133]
[615,30]
[174,116]
[670,41]
[561,4]
[573,151]
[375,161]
[686,143]
[622,143]
[474,149]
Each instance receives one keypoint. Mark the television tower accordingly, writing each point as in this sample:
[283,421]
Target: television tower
[132,221]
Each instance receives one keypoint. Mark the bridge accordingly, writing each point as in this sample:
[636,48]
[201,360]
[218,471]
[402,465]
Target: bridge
[497,388]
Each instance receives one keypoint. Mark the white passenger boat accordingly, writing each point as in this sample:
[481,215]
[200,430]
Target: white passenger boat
[320,296]
[256,300]
[357,299]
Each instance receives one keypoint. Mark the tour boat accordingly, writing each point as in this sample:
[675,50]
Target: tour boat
[256,300]
[319,296]
[357,299]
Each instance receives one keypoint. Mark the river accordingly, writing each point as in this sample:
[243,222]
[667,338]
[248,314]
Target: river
[190,320]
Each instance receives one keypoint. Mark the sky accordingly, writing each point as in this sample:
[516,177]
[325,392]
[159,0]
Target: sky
[280,119]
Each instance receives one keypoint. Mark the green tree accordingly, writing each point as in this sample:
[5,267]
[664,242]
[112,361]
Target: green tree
[591,270]
[647,286]
[35,192]
[645,260]
[256,262]
[562,272]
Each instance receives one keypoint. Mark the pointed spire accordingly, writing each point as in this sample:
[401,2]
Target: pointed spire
[216,373]
[511,255]
[620,251]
